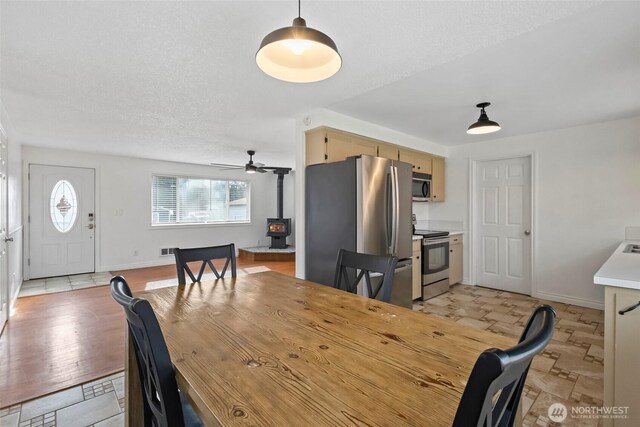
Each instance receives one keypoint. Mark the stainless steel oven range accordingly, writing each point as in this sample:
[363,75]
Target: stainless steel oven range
[435,262]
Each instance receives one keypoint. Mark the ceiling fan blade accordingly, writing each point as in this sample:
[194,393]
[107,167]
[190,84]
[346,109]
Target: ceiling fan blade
[230,169]
[258,164]
[224,165]
[261,170]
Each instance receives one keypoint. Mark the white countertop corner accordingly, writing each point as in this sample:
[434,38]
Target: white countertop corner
[621,269]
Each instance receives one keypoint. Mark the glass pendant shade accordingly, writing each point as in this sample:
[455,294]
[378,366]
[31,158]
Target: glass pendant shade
[483,125]
[298,54]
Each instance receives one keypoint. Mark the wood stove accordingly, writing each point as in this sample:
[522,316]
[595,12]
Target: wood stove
[279,228]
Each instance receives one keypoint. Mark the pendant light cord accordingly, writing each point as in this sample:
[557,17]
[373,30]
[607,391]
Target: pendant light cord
[298,8]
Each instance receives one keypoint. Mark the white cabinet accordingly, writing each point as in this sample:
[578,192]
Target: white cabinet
[622,354]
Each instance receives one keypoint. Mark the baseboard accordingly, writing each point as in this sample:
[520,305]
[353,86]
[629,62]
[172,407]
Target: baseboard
[582,302]
[12,303]
[154,263]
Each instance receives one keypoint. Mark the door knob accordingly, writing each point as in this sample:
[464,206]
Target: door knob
[527,232]
[9,239]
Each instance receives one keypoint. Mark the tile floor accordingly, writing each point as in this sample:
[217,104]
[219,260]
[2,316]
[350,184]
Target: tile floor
[571,369]
[99,403]
[63,283]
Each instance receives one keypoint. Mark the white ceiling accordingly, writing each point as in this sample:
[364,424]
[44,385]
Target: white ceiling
[178,80]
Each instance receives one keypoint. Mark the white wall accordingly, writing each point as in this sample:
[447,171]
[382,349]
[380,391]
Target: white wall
[14,214]
[587,189]
[323,117]
[125,183]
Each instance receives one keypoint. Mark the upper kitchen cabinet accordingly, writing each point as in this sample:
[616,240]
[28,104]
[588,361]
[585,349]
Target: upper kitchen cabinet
[388,151]
[420,162]
[326,145]
[437,179]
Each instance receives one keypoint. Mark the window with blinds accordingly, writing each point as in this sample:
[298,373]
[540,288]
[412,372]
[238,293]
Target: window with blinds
[187,200]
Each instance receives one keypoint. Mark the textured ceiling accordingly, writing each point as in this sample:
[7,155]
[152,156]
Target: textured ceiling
[178,80]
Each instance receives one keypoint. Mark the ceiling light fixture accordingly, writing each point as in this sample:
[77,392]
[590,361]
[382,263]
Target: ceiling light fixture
[483,125]
[298,54]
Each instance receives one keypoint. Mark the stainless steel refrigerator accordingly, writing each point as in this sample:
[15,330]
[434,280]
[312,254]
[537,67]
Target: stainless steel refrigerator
[360,204]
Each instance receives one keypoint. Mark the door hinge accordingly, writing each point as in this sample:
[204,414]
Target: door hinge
[326,157]
[28,261]
[28,175]
[29,218]
[326,139]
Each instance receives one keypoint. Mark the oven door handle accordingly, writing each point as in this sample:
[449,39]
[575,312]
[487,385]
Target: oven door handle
[429,242]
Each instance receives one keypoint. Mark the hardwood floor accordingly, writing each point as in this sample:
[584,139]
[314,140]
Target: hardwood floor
[60,340]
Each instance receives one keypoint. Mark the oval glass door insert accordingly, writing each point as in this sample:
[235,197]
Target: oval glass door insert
[63,206]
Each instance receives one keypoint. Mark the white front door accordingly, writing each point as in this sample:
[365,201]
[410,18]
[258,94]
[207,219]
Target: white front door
[502,224]
[61,221]
[4,203]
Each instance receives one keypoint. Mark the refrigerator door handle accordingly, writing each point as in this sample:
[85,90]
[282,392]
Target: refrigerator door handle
[394,211]
[397,211]
[388,211]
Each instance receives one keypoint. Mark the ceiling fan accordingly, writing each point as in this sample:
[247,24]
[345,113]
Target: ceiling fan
[250,167]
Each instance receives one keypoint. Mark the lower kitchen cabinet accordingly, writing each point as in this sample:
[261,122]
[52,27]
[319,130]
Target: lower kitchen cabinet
[621,350]
[417,269]
[455,259]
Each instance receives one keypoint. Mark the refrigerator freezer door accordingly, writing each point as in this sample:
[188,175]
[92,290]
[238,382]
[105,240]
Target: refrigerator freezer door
[404,227]
[373,200]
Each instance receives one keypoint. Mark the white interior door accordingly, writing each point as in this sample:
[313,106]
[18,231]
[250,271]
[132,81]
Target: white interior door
[61,221]
[4,203]
[502,236]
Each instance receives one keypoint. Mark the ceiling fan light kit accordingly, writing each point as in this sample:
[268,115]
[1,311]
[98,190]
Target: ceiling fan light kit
[298,54]
[483,125]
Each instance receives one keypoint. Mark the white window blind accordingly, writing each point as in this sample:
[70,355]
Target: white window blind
[188,200]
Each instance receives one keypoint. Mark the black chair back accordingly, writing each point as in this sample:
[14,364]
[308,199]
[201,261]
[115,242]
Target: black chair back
[206,255]
[162,405]
[493,392]
[353,266]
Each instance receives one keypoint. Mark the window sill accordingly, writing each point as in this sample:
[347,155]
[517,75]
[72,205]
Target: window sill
[200,225]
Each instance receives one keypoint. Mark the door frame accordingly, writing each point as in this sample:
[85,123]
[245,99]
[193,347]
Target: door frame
[473,256]
[26,192]
[6,292]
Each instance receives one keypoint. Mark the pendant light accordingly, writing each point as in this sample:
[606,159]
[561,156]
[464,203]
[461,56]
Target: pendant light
[298,54]
[483,125]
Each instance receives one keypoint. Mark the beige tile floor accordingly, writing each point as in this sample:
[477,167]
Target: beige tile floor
[571,369]
[63,283]
[99,403]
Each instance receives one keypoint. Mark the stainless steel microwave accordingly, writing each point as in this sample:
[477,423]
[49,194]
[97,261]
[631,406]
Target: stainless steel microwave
[421,187]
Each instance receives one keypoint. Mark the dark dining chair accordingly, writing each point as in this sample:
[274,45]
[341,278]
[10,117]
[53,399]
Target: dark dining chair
[164,404]
[492,394]
[206,255]
[352,267]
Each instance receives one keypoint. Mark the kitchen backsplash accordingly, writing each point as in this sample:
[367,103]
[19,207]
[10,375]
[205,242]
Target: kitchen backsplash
[632,233]
[443,225]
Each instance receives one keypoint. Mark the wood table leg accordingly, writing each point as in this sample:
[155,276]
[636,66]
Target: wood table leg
[133,406]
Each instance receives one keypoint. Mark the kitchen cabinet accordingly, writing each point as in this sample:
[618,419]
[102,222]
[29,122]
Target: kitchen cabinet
[621,367]
[421,162]
[417,269]
[455,259]
[388,151]
[326,145]
[437,179]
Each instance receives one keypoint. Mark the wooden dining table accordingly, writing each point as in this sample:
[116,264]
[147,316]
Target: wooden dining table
[268,349]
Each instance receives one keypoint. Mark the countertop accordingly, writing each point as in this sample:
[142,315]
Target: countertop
[621,269]
[451,233]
